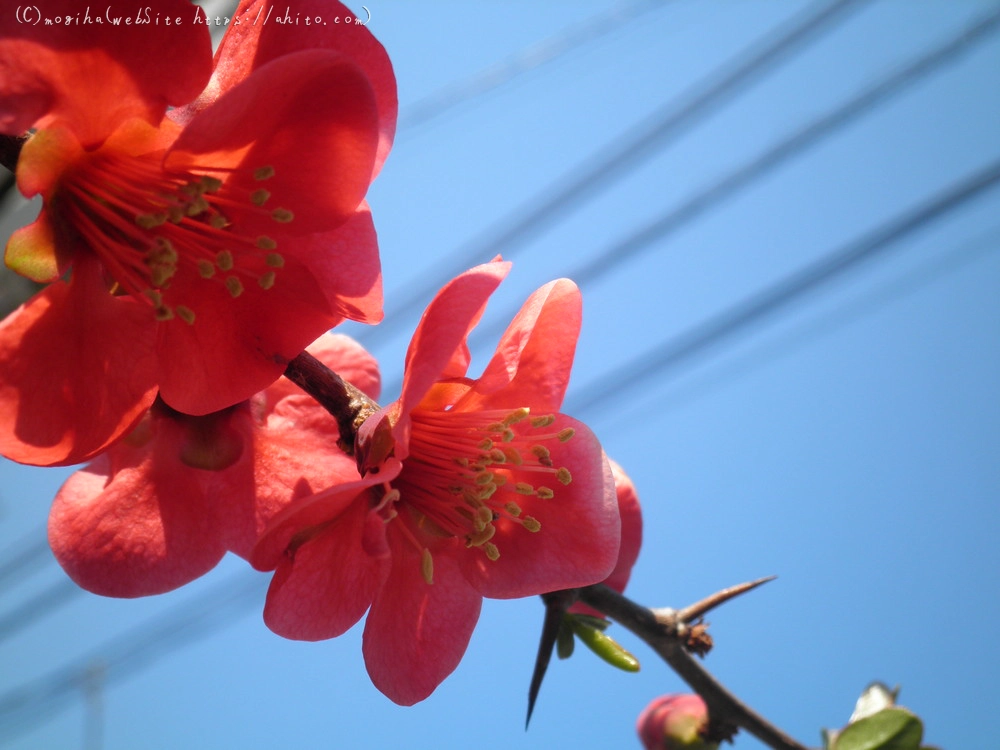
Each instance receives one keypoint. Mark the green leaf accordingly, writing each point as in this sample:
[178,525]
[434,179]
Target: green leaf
[889,729]
[605,647]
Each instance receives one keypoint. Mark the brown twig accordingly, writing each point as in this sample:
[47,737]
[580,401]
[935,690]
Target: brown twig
[348,405]
[666,636]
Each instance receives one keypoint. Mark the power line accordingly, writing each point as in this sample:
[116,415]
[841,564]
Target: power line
[965,254]
[530,58]
[792,288]
[198,616]
[21,706]
[622,155]
[752,170]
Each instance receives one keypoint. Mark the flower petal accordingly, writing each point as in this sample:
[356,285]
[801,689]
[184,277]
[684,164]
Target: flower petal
[77,371]
[236,347]
[535,355]
[311,513]
[578,542]
[93,76]
[346,265]
[249,44]
[141,532]
[438,347]
[329,582]
[308,115]
[417,633]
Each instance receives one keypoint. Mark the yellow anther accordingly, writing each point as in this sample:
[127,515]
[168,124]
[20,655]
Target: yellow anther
[282,215]
[427,565]
[516,416]
[259,197]
[234,285]
[545,493]
[508,435]
[484,514]
[205,269]
[544,421]
[481,537]
[211,184]
[175,214]
[542,454]
[161,274]
[484,477]
[494,427]
[155,297]
[263,173]
[499,480]
[513,508]
[218,221]
[198,206]
[185,314]
[487,492]
[462,461]
[224,260]
[150,221]
[485,445]
[498,456]
[523,488]
[491,551]
[531,523]
[164,313]
[564,476]
[513,456]
[266,243]
[565,434]
[275,260]
[266,280]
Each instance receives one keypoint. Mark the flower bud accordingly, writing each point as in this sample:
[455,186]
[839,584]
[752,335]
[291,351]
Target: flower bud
[674,722]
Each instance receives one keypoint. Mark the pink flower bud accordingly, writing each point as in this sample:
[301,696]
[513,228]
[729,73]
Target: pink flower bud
[674,722]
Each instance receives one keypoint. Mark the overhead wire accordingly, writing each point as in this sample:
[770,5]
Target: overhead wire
[617,158]
[754,169]
[122,656]
[165,631]
[778,296]
[424,110]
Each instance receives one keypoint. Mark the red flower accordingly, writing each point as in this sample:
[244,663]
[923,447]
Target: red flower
[162,506]
[674,722]
[631,537]
[195,250]
[473,488]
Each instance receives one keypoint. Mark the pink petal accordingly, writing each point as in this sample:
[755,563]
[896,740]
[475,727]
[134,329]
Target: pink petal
[250,44]
[94,76]
[578,542]
[417,633]
[311,116]
[236,347]
[438,349]
[345,262]
[535,355]
[78,371]
[315,511]
[329,582]
[144,532]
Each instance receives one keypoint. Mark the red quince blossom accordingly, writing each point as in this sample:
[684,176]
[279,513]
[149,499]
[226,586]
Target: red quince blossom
[471,488]
[630,513]
[190,251]
[674,722]
[162,506]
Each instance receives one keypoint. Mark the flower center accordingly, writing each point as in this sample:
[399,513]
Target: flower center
[467,472]
[147,225]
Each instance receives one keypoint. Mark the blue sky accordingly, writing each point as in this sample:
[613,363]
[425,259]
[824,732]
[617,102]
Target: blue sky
[847,442]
